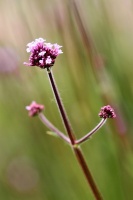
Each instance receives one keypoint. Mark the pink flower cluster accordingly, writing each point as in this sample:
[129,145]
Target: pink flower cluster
[42,54]
[107,112]
[34,108]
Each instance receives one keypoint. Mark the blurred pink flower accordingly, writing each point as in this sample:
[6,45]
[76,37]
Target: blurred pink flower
[34,108]
[42,54]
[9,60]
[107,112]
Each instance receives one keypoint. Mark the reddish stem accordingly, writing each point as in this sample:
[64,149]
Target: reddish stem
[87,173]
[76,149]
[61,107]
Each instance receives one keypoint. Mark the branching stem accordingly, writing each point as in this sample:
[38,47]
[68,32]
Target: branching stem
[75,147]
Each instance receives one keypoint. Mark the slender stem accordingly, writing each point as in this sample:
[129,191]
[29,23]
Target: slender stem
[87,136]
[87,172]
[75,147]
[52,127]
[61,107]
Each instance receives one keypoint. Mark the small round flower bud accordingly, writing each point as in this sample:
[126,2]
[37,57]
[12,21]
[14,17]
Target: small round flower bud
[34,108]
[107,112]
[42,54]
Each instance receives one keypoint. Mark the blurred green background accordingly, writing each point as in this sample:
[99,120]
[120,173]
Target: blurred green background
[95,69]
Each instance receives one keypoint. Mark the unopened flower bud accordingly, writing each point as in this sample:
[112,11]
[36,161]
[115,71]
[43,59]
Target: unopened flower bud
[107,112]
[34,108]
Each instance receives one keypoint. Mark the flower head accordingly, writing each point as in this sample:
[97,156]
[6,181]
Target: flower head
[34,108]
[42,54]
[107,112]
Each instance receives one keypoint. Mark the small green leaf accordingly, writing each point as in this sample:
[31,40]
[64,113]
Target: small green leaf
[52,133]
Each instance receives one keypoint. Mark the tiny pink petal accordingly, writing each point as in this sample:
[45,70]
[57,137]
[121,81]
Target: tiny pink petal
[42,53]
[34,108]
[41,61]
[48,60]
[40,40]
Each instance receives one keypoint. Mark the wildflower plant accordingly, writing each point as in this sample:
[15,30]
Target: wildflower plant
[43,55]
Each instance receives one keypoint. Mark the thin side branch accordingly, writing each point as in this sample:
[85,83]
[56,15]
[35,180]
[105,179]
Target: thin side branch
[88,135]
[53,128]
